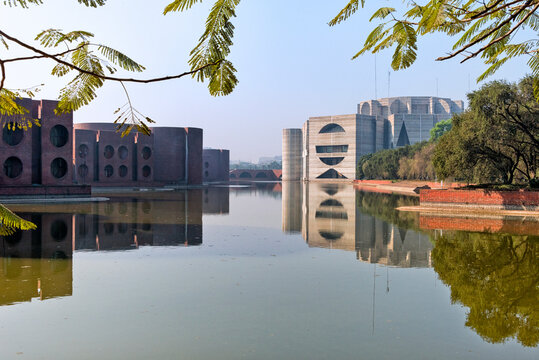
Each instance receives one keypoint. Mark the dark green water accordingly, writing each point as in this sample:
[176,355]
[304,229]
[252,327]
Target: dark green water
[267,272]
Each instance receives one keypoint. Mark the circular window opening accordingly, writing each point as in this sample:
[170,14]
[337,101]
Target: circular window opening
[59,168]
[59,135]
[146,153]
[122,171]
[109,171]
[12,167]
[14,238]
[59,230]
[109,152]
[12,134]
[109,228]
[83,151]
[146,171]
[123,152]
[82,171]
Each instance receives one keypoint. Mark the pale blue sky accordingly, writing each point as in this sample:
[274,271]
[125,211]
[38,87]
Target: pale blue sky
[291,65]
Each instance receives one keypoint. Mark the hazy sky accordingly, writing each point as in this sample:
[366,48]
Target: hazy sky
[291,65]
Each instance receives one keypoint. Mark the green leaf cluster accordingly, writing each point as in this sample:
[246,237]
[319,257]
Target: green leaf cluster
[26,3]
[9,222]
[440,128]
[213,48]
[484,28]
[12,114]
[90,63]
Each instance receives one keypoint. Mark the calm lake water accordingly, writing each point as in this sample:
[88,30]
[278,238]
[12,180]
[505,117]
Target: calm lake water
[267,272]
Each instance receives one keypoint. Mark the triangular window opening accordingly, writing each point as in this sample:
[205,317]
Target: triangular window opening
[332,174]
[403,136]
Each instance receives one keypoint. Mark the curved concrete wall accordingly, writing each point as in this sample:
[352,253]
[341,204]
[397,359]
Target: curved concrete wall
[178,155]
[292,154]
[96,126]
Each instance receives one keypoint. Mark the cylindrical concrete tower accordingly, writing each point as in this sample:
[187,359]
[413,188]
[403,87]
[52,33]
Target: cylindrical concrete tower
[292,154]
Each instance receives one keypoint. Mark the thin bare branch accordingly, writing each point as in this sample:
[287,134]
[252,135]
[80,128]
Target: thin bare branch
[104,77]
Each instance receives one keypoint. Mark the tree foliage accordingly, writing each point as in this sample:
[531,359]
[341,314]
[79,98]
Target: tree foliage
[405,163]
[87,65]
[496,276]
[483,28]
[440,128]
[496,139]
[9,222]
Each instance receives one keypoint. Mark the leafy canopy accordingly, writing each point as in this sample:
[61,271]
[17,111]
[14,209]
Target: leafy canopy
[440,128]
[496,139]
[483,28]
[88,65]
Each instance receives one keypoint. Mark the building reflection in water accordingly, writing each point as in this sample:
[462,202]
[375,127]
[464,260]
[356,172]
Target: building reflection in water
[170,219]
[38,264]
[332,216]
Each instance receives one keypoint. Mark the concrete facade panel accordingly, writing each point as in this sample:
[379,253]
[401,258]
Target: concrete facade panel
[216,164]
[56,145]
[194,155]
[170,155]
[115,158]
[20,144]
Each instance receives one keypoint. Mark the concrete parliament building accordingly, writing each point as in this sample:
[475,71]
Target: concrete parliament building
[328,147]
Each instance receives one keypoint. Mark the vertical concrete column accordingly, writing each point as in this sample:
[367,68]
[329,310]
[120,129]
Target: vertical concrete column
[292,154]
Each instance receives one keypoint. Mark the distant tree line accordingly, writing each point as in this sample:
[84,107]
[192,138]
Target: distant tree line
[495,141]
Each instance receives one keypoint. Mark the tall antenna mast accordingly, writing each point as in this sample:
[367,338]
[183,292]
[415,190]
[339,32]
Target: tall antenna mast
[375,80]
[388,82]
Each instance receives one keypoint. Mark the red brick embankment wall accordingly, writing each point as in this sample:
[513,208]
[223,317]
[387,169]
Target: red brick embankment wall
[480,198]
[500,225]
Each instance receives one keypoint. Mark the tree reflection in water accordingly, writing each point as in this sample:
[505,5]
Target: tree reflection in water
[497,277]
